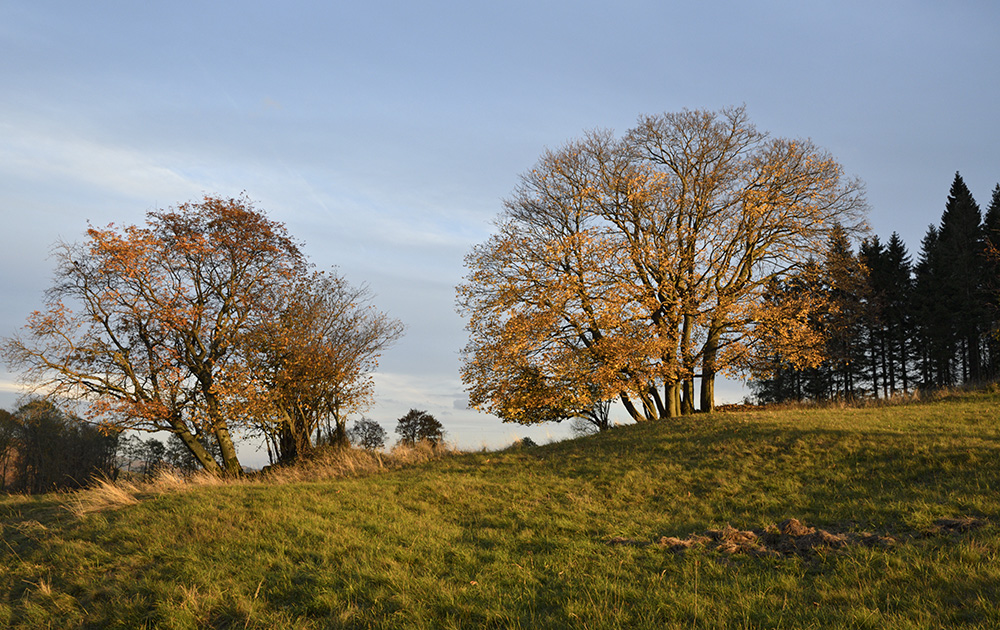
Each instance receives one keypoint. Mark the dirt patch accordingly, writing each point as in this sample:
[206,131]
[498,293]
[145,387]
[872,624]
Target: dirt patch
[789,538]
[956,525]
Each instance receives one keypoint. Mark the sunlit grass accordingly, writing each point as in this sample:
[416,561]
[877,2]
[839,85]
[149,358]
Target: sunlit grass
[521,538]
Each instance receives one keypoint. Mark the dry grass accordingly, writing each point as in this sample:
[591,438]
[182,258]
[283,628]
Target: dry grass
[103,495]
[325,463]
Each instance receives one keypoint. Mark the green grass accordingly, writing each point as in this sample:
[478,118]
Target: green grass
[519,539]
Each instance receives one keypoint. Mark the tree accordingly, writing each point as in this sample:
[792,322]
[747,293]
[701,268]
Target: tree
[813,326]
[623,268]
[991,275]
[418,426]
[933,319]
[368,434]
[951,296]
[313,363]
[887,313]
[960,262]
[8,453]
[144,323]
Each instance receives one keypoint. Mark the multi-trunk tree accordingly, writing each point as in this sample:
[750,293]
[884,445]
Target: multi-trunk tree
[312,364]
[157,327]
[630,267]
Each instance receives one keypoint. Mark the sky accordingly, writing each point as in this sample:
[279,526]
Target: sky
[385,135]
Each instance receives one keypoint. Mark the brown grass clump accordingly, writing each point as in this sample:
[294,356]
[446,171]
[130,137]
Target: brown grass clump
[324,463]
[790,538]
[337,462]
[103,495]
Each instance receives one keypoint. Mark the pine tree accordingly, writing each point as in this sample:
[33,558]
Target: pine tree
[898,319]
[961,265]
[847,286]
[991,284]
[887,316]
[872,255]
[935,336]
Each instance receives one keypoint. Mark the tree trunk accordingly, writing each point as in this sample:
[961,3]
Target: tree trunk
[228,450]
[672,393]
[649,406]
[687,396]
[230,461]
[200,453]
[630,408]
[708,358]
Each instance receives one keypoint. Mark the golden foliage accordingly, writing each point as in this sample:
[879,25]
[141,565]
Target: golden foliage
[623,267]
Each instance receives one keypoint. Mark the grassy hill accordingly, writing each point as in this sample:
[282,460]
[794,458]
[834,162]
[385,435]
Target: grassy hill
[622,530]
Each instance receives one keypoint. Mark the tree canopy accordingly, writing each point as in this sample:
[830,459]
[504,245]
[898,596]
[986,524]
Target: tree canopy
[628,267]
[203,321]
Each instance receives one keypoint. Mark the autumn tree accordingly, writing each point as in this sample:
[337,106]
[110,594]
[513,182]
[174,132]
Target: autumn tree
[629,267]
[312,364]
[144,323]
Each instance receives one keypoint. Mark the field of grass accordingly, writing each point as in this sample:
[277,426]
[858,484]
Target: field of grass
[568,535]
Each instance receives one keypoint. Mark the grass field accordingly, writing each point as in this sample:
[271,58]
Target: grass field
[578,534]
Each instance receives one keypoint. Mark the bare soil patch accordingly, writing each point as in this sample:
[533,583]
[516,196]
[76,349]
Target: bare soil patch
[791,538]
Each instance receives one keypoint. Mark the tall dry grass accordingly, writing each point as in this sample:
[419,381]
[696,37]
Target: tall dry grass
[324,463]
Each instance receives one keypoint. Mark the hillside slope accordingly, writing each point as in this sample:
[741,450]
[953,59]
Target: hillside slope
[622,530]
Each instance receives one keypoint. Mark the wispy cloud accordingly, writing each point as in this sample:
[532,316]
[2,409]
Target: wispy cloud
[48,154]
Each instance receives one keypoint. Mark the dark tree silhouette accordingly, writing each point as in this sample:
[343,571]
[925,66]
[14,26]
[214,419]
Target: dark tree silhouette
[367,434]
[417,426]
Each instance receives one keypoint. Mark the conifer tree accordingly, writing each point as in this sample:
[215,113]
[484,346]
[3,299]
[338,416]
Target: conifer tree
[961,266]
[898,290]
[991,285]
[935,337]
[846,278]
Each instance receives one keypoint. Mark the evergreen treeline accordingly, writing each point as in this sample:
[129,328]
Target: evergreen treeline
[890,325]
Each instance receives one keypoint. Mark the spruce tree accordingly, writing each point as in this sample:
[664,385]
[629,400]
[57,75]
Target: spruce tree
[847,287]
[961,266]
[991,285]
[933,320]
[898,290]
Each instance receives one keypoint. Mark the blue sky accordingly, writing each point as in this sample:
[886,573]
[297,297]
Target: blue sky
[385,134]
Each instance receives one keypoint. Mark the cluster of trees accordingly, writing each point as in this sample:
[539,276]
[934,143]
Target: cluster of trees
[887,325]
[42,449]
[628,268]
[146,457]
[205,321]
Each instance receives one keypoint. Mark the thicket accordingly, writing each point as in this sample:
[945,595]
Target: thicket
[43,449]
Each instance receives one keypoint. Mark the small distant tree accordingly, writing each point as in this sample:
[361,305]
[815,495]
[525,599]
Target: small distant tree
[418,426]
[154,456]
[595,419]
[367,434]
